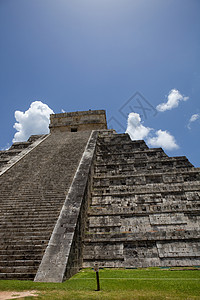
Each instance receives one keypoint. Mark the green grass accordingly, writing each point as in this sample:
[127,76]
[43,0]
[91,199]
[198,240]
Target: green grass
[152,283]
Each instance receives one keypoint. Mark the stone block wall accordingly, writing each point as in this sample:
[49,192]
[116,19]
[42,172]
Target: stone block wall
[71,199]
[78,121]
[145,207]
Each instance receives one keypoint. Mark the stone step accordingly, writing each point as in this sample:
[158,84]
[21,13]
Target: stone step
[143,164]
[23,216]
[42,208]
[22,252]
[16,262]
[131,157]
[137,154]
[136,228]
[109,135]
[13,251]
[152,235]
[25,229]
[128,170]
[103,229]
[18,269]
[21,209]
[130,173]
[135,211]
[29,247]
[144,210]
[103,263]
[116,138]
[120,144]
[134,199]
[4,160]
[32,194]
[20,145]
[33,201]
[22,240]
[144,179]
[22,237]
[32,234]
[28,221]
[12,152]
[25,212]
[19,205]
[31,225]
[21,257]
[8,190]
[103,257]
[37,230]
[145,189]
[163,196]
[19,276]
[138,201]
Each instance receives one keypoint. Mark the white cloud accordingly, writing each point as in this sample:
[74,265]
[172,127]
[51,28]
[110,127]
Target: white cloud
[135,129]
[173,100]
[163,139]
[193,119]
[33,121]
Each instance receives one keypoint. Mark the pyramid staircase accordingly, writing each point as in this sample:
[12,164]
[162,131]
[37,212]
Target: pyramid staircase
[33,191]
[145,207]
[17,150]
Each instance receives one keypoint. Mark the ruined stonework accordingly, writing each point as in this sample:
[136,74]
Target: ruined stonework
[78,121]
[84,194]
[145,208]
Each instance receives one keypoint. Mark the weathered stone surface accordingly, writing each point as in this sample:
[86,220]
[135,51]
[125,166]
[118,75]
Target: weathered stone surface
[78,121]
[144,203]
[70,199]
[33,192]
[17,151]
[63,255]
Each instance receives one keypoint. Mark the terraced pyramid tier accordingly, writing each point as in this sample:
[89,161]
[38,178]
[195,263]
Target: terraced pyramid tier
[145,208]
[33,191]
[9,156]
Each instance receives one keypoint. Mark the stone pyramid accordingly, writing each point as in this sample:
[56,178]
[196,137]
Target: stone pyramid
[84,194]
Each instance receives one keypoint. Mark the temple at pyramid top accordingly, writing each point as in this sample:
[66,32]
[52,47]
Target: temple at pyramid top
[78,121]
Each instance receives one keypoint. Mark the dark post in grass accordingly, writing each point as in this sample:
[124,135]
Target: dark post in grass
[96,269]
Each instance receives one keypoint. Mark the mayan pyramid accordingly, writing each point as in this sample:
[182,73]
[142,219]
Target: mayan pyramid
[84,194]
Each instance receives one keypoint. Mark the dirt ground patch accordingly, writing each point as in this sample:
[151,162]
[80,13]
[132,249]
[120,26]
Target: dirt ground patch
[15,295]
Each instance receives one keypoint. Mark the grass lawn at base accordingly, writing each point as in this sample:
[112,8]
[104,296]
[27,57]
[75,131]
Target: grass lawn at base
[150,283]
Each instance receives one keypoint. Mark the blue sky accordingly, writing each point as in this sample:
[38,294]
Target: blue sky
[97,54]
